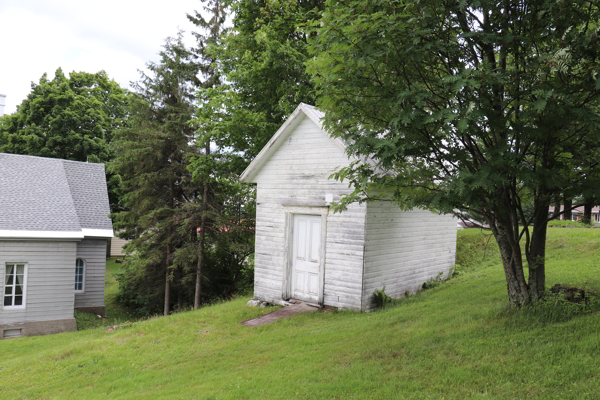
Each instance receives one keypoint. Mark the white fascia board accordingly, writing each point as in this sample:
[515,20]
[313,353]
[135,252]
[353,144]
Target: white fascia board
[13,234]
[103,233]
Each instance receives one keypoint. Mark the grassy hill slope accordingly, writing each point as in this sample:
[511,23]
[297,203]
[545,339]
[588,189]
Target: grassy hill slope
[452,342]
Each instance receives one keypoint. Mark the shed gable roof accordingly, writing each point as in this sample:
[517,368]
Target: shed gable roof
[52,198]
[303,110]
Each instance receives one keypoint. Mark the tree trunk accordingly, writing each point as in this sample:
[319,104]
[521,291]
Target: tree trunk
[202,235]
[179,290]
[510,251]
[568,215]
[587,212]
[556,207]
[167,308]
[537,255]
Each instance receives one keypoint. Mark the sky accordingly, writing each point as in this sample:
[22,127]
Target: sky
[117,36]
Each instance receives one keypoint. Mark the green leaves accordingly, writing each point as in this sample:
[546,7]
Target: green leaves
[468,105]
[68,117]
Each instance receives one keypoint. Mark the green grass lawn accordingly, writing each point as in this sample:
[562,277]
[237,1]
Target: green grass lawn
[455,341]
[115,315]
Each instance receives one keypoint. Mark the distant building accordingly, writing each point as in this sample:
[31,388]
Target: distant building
[577,213]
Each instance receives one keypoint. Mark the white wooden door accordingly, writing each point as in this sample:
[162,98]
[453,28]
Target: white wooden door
[306,253]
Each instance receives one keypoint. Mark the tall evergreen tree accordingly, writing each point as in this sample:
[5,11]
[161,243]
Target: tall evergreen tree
[151,158]
[209,38]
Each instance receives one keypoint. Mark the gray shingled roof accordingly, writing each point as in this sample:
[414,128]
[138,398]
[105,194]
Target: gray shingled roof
[45,194]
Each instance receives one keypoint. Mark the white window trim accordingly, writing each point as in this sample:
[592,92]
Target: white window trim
[84,274]
[25,274]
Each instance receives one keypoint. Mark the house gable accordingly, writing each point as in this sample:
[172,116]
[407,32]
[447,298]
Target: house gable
[302,114]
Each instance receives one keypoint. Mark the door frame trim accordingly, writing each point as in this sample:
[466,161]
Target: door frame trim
[288,247]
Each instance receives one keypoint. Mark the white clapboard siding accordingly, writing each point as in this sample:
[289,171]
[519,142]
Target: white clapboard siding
[297,175]
[93,252]
[50,279]
[116,246]
[403,249]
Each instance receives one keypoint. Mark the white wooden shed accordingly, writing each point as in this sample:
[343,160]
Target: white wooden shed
[306,252]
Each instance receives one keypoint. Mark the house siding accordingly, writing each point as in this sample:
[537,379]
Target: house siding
[116,246]
[404,249]
[93,252]
[297,175]
[50,277]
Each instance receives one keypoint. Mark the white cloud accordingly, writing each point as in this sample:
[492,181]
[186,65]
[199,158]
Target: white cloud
[120,37]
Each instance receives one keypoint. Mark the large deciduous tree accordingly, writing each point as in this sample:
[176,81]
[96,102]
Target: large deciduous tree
[70,117]
[474,106]
[261,58]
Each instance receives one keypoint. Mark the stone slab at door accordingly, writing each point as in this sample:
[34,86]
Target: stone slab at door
[306,257]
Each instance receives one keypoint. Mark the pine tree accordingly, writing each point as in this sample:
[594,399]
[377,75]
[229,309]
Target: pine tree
[151,158]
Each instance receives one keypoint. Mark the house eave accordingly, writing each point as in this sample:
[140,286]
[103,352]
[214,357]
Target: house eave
[98,233]
[20,234]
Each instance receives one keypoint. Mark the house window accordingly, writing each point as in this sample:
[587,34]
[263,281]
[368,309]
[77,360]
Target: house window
[15,275]
[79,275]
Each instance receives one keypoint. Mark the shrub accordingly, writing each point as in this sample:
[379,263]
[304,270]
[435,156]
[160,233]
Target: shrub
[555,307]
[381,299]
[566,224]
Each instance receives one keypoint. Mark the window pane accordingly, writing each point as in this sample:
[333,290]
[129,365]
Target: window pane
[9,274]
[20,269]
[7,301]
[20,279]
[8,290]
[18,300]
[19,289]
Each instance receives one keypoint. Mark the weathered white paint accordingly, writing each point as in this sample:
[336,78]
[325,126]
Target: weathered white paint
[50,279]
[306,257]
[294,180]
[93,252]
[404,249]
[365,247]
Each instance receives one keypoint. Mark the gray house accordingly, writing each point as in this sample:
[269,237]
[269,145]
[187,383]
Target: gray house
[305,252]
[54,228]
